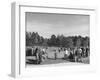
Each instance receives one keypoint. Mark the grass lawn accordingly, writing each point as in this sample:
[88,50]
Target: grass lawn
[51,57]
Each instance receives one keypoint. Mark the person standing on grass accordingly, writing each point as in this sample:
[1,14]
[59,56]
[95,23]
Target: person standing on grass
[38,55]
[59,50]
[66,54]
[87,52]
[44,54]
[78,55]
[55,54]
[72,55]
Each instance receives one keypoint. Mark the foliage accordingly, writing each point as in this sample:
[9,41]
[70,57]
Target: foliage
[33,38]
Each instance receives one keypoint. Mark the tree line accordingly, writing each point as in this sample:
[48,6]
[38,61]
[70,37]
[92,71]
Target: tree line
[33,39]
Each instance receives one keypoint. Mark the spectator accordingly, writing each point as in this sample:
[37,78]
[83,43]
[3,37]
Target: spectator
[55,55]
[66,55]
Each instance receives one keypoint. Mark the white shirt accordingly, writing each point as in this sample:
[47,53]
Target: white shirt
[43,50]
[66,52]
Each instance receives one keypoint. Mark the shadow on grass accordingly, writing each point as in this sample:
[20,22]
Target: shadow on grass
[31,61]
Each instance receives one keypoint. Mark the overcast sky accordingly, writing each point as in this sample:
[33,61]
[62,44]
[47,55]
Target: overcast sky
[47,24]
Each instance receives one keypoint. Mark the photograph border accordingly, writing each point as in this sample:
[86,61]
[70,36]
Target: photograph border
[17,35]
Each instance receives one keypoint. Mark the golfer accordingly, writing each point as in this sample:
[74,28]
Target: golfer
[66,54]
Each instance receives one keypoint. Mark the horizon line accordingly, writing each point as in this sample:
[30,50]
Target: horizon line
[58,35]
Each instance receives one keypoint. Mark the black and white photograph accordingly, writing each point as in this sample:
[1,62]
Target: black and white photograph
[55,38]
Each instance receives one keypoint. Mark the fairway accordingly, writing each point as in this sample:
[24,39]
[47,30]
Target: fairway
[50,51]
